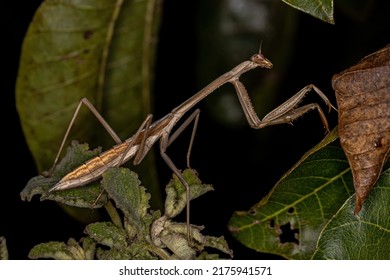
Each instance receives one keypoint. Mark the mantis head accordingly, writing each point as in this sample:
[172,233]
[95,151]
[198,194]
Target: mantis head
[261,60]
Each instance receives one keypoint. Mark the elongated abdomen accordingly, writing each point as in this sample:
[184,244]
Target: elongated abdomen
[95,167]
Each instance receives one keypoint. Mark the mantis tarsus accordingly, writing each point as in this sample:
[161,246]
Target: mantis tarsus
[148,133]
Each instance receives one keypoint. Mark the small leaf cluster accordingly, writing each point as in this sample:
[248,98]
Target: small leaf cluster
[134,231]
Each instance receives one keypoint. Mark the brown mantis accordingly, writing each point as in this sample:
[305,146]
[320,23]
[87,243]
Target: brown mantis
[148,133]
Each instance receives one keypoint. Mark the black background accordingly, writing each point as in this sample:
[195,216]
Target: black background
[320,50]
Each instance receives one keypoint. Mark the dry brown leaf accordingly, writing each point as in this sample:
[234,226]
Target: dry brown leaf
[363,98]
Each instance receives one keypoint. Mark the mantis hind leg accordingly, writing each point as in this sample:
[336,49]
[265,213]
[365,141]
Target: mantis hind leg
[100,118]
[165,141]
[194,117]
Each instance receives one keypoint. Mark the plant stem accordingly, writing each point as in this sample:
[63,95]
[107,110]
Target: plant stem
[113,214]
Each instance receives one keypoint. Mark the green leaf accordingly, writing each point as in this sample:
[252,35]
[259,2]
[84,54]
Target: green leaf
[321,9]
[365,236]
[3,249]
[124,187]
[219,243]
[172,235]
[89,246]
[58,251]
[107,234]
[137,250]
[142,251]
[102,50]
[85,196]
[178,244]
[177,194]
[289,220]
